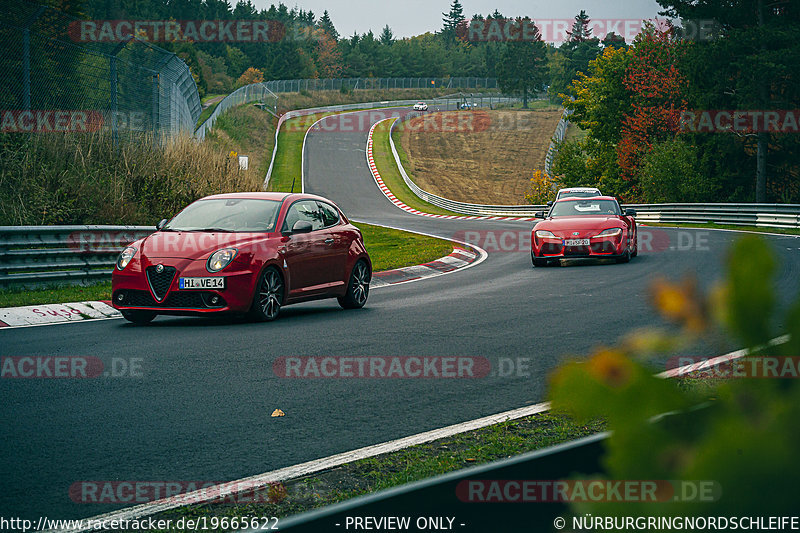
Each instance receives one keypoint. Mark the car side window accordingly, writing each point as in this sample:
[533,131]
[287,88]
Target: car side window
[330,216]
[307,210]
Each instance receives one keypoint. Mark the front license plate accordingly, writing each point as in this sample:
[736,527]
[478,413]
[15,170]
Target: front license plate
[576,242]
[202,283]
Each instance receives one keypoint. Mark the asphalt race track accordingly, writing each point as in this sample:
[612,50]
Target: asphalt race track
[200,410]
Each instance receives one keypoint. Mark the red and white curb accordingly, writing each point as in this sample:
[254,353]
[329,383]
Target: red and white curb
[459,258]
[392,198]
[40,315]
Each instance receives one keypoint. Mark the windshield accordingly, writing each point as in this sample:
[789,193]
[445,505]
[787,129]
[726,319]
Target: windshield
[227,214]
[572,208]
[578,194]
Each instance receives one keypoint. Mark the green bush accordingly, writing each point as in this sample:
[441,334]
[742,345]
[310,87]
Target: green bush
[669,173]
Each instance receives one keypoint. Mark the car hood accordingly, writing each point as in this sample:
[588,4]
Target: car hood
[194,244]
[565,226]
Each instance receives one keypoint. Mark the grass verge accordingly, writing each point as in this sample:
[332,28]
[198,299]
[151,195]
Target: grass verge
[16,297]
[208,109]
[404,466]
[287,171]
[384,160]
[391,248]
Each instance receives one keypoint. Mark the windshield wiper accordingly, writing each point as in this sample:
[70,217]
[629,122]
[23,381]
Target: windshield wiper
[218,230]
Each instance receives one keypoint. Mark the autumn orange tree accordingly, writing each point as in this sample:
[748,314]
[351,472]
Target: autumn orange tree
[329,56]
[542,188]
[251,75]
[630,100]
[656,90]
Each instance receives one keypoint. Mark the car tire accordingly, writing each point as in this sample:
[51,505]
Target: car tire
[635,247]
[626,257]
[268,297]
[139,317]
[357,287]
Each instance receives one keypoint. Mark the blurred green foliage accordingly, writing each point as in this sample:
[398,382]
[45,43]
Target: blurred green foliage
[741,434]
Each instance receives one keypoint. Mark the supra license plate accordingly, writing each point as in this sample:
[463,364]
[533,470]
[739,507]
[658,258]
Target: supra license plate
[202,283]
[576,242]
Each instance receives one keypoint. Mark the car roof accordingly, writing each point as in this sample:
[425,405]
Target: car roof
[578,189]
[278,196]
[598,197]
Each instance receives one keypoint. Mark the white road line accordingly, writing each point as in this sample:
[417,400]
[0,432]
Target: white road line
[303,469]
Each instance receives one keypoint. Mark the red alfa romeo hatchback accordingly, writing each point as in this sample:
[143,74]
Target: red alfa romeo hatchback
[243,253]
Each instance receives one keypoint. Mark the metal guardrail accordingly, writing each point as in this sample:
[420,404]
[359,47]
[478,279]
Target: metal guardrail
[759,215]
[451,495]
[558,137]
[336,84]
[41,255]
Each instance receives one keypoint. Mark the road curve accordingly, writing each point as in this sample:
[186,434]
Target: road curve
[201,408]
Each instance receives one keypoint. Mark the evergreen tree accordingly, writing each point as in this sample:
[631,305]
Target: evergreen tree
[522,68]
[452,20]
[580,28]
[387,37]
[325,23]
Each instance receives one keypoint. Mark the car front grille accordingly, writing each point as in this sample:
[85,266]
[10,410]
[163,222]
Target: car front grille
[160,281]
[176,300]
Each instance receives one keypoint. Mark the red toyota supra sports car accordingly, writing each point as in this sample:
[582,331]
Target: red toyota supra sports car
[584,228]
[243,253]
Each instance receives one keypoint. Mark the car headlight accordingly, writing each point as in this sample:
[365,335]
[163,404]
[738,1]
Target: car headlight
[125,257]
[611,232]
[220,259]
[544,234]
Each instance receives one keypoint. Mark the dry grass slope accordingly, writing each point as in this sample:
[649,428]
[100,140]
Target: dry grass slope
[490,162]
[83,179]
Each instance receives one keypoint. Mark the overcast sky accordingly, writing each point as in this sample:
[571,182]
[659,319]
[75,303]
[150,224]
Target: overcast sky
[415,17]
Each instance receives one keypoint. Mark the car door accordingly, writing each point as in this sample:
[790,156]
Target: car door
[301,251]
[337,245]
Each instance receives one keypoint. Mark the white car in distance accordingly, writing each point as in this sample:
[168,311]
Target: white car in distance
[420,106]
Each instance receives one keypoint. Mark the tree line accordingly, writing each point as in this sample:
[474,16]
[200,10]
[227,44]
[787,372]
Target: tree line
[629,99]
[671,119]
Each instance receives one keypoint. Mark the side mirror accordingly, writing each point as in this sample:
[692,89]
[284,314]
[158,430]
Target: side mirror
[302,226]
[161,224]
[538,214]
[630,212]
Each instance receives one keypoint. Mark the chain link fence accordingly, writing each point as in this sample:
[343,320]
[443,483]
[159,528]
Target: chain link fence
[255,92]
[350,84]
[54,82]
